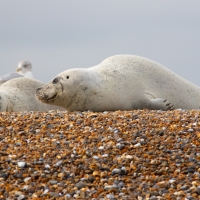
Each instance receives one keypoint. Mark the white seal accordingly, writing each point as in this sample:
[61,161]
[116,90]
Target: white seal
[19,95]
[121,82]
[24,69]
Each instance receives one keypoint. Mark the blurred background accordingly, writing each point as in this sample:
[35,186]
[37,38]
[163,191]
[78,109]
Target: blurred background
[55,35]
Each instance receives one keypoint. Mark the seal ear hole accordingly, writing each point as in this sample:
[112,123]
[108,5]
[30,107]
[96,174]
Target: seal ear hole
[67,77]
[55,80]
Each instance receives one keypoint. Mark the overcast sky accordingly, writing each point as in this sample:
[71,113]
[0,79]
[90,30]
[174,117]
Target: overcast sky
[61,34]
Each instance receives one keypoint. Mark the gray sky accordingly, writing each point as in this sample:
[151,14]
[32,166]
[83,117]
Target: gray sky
[62,34]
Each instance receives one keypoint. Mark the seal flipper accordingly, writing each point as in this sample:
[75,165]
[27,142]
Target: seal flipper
[158,104]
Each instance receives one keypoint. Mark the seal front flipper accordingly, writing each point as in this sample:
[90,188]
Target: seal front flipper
[158,104]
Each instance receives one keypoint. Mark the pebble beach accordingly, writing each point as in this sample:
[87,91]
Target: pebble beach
[138,154]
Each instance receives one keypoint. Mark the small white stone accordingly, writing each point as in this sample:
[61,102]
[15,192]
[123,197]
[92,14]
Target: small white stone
[104,180]
[101,147]
[110,196]
[46,191]
[172,181]
[177,193]
[37,130]
[137,145]
[109,128]
[21,164]
[58,163]
[96,157]
[12,156]
[47,166]
[34,195]
[119,139]
[129,157]
[71,125]
[104,155]
[68,196]
[21,197]
[27,179]
[57,142]
[25,187]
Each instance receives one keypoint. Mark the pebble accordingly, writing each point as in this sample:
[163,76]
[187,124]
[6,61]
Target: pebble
[96,157]
[139,154]
[110,187]
[54,194]
[120,146]
[21,164]
[129,157]
[53,182]
[21,197]
[80,185]
[45,191]
[27,179]
[58,163]
[116,171]
[120,184]
[110,196]
[47,167]
[137,145]
[68,196]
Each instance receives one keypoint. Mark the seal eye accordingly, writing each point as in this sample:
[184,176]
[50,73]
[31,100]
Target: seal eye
[67,77]
[55,80]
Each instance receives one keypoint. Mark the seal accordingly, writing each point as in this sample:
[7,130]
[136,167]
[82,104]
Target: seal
[19,95]
[121,82]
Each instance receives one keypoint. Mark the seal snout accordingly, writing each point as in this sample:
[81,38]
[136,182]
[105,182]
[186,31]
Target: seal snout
[46,93]
[39,94]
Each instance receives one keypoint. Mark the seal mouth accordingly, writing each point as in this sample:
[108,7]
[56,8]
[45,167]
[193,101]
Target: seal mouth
[50,98]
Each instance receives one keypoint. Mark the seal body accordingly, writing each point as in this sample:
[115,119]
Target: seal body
[121,82]
[19,95]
